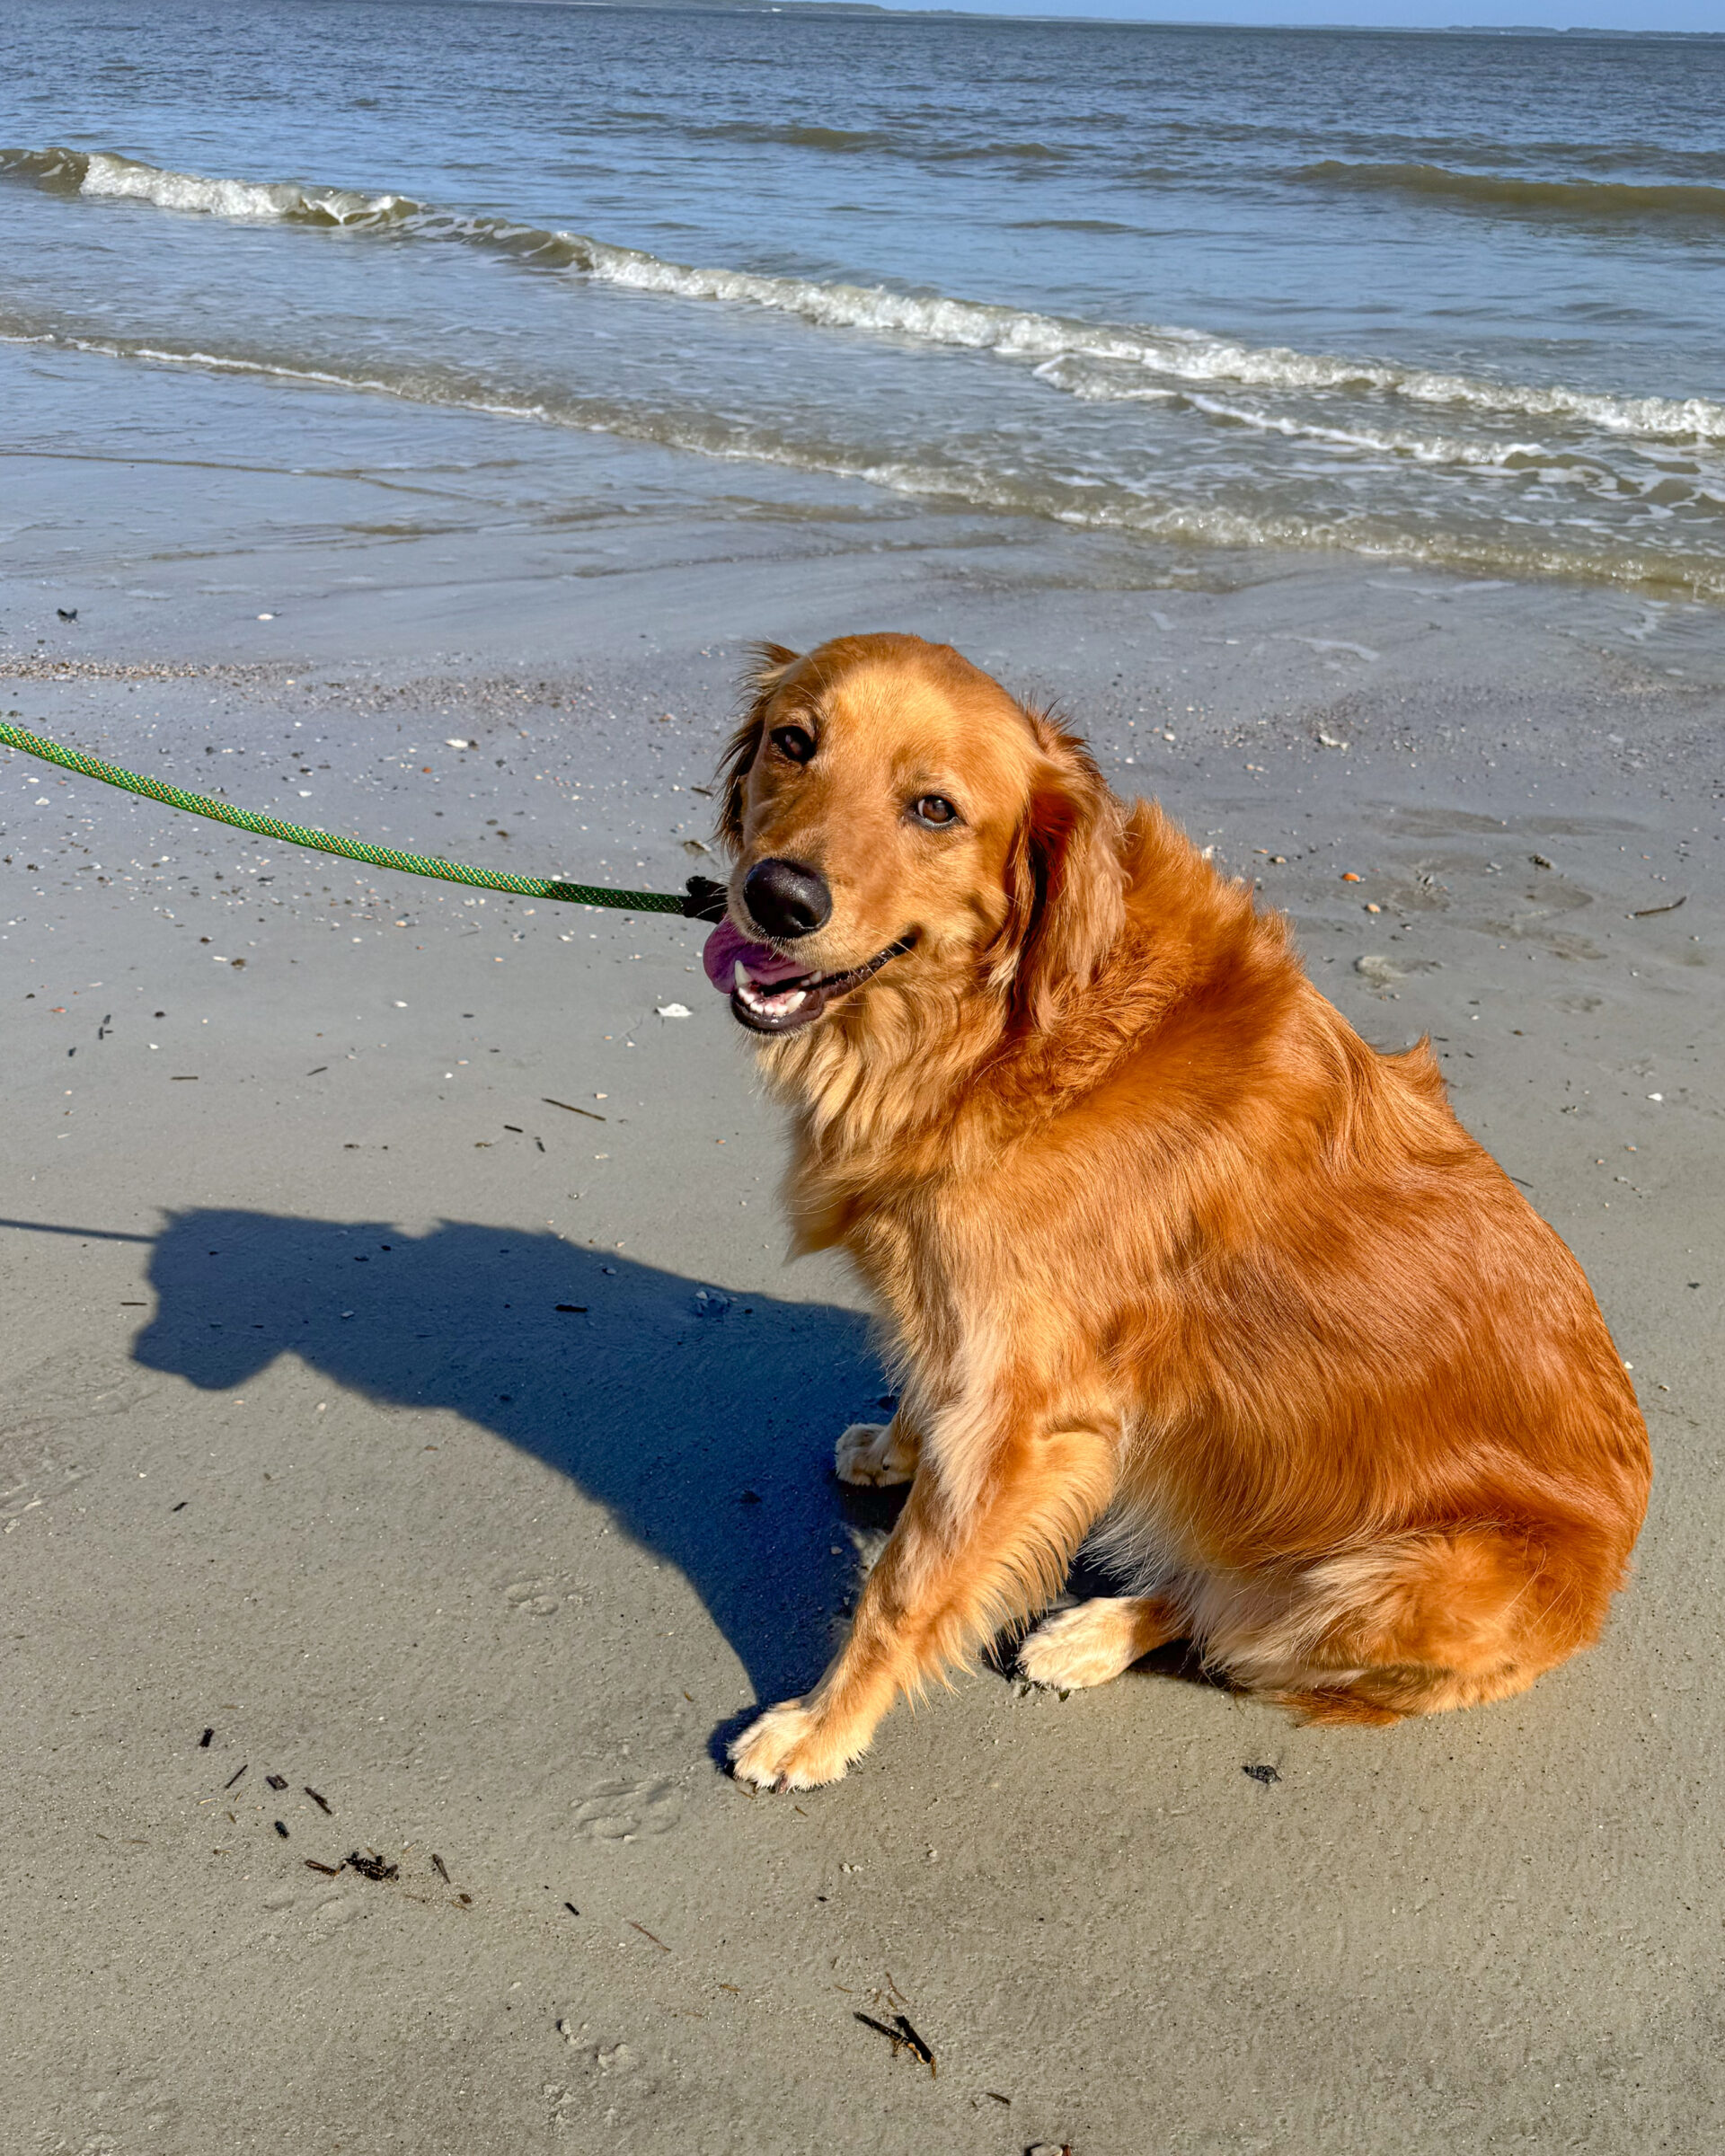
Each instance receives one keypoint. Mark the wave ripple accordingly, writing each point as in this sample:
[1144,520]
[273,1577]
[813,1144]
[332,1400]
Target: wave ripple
[1615,198]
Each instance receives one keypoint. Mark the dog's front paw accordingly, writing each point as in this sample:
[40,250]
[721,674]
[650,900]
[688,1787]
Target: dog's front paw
[789,1748]
[872,1454]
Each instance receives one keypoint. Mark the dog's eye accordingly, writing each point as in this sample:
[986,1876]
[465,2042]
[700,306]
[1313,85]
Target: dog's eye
[935,810]
[793,742]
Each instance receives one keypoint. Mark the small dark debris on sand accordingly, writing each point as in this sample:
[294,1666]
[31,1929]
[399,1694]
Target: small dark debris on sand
[281,1828]
[591,1113]
[902,2036]
[330,1871]
[234,1776]
[575,1309]
[1263,1776]
[372,1866]
[204,1741]
[645,1933]
[441,1869]
[276,1781]
[322,1803]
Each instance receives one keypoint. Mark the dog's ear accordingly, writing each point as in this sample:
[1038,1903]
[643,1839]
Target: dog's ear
[768,664]
[1065,880]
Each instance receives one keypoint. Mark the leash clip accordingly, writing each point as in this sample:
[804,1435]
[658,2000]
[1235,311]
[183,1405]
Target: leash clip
[704,899]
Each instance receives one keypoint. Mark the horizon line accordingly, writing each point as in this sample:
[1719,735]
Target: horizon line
[1116,20]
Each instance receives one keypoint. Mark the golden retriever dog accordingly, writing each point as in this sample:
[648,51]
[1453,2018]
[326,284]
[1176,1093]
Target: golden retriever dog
[1167,1256]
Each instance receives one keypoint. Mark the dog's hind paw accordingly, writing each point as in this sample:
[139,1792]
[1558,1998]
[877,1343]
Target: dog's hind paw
[788,1749]
[1095,1641]
[873,1455]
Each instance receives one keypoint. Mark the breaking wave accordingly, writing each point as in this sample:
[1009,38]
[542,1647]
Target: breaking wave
[100,173]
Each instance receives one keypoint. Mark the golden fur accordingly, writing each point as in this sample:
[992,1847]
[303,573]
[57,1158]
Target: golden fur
[1167,1256]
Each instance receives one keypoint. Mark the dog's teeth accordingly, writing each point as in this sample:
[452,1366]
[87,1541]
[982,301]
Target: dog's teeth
[740,975]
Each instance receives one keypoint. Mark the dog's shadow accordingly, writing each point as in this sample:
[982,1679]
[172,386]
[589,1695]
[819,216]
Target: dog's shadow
[701,1418]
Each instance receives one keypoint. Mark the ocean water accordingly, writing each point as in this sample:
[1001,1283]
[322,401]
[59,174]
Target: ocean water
[1457,299]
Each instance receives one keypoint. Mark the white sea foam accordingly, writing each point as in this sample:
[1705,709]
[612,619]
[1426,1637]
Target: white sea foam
[109,176]
[1090,387]
[1157,359]
[1423,449]
[1513,550]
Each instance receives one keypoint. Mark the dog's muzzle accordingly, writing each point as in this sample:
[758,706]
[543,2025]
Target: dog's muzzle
[768,993]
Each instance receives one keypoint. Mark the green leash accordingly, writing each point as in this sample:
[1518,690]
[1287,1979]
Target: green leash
[703,900]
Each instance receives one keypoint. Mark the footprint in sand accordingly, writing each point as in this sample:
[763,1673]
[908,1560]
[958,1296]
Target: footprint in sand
[624,1811]
[124,2113]
[533,1598]
[617,2070]
[323,1910]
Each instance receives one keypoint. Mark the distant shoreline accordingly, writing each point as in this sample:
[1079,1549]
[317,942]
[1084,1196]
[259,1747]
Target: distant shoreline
[875,9]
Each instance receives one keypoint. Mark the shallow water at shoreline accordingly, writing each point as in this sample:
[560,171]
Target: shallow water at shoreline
[1207,289]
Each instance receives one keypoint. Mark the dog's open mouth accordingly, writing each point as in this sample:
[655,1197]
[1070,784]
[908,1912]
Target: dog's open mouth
[768,993]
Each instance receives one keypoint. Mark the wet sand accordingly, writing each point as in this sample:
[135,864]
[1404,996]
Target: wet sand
[465,1459]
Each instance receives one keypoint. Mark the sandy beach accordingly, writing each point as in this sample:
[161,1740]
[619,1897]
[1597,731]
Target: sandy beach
[414,1445]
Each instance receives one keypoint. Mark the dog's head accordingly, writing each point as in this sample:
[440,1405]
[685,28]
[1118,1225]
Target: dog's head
[894,815]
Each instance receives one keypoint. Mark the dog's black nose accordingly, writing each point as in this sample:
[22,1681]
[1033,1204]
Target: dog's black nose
[788,899]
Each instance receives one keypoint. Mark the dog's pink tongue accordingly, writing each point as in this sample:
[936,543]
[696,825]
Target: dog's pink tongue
[725,946]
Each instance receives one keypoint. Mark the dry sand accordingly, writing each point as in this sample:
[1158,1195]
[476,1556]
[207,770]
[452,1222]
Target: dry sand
[301,1446]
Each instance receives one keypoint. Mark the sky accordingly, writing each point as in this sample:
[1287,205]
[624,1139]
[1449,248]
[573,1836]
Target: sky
[1380,14]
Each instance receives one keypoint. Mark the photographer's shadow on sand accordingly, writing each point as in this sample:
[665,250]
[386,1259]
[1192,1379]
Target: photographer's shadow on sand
[703,1418]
